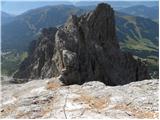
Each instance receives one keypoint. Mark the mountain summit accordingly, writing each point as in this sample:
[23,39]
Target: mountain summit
[84,49]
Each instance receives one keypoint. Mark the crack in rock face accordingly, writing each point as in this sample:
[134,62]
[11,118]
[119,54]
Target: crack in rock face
[84,49]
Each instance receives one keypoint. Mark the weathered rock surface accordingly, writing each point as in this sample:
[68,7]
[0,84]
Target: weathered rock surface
[39,63]
[50,99]
[84,49]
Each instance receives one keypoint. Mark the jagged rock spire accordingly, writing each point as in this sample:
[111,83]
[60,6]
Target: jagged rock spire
[85,49]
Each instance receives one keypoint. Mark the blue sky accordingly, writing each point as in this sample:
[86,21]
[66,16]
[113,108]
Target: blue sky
[15,7]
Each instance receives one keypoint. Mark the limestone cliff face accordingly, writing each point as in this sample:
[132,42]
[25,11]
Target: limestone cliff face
[84,49]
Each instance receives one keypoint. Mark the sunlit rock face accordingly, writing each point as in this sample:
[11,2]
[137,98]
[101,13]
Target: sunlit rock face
[84,49]
[50,99]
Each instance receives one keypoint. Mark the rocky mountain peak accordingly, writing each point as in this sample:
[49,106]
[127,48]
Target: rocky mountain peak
[71,20]
[85,49]
[104,9]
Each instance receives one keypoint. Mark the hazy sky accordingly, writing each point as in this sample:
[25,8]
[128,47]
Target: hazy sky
[79,0]
[15,7]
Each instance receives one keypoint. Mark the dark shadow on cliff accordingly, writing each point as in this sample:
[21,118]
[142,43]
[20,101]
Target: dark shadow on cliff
[84,49]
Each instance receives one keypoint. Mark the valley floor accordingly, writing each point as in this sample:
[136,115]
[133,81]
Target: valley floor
[50,99]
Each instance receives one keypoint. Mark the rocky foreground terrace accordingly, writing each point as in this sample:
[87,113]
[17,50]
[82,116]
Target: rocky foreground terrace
[50,99]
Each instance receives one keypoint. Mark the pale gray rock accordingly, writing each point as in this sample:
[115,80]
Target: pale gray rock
[49,98]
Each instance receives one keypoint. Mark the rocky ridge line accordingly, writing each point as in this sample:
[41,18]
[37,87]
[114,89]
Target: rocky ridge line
[84,49]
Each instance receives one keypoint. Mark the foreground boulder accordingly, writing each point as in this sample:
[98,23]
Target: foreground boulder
[84,49]
[49,99]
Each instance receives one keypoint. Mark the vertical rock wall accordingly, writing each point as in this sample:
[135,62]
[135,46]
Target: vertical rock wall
[84,49]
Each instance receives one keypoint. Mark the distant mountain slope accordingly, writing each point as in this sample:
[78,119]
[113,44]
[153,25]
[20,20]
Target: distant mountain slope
[137,29]
[6,18]
[142,11]
[25,28]
[118,3]
[139,36]
[20,32]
